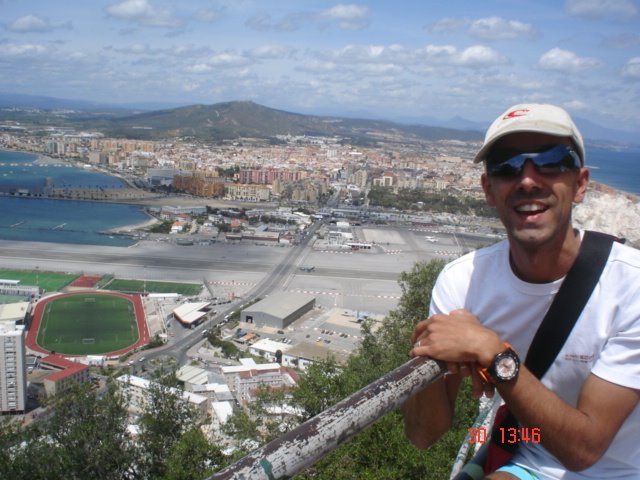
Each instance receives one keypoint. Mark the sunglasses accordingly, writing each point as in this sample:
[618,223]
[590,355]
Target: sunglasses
[551,161]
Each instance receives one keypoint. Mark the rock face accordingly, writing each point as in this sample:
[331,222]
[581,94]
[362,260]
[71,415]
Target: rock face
[611,212]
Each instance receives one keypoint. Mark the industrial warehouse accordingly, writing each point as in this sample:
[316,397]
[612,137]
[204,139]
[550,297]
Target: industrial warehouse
[278,310]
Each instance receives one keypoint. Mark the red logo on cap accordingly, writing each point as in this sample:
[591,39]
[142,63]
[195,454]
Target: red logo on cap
[516,113]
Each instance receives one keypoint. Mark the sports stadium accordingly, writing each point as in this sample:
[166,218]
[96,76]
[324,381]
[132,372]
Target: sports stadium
[88,323]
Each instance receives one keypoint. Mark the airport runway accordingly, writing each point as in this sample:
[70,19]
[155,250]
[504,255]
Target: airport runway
[357,280]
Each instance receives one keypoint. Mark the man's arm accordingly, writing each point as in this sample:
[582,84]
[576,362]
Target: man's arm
[429,413]
[578,436]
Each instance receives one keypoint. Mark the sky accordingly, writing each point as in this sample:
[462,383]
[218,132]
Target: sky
[396,60]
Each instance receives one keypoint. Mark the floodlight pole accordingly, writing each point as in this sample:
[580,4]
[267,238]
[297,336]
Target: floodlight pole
[303,446]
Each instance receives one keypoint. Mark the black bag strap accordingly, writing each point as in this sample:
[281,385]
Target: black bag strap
[569,302]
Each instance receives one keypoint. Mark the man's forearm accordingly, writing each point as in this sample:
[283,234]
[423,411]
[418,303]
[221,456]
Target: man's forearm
[429,413]
[576,436]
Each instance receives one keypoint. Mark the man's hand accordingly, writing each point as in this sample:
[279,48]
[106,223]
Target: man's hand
[456,337]
[460,340]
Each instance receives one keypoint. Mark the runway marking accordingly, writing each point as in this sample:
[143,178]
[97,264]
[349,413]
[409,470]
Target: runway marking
[335,294]
[447,253]
[350,252]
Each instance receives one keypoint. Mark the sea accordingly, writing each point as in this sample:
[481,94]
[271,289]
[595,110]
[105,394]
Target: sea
[60,221]
[82,222]
[616,167]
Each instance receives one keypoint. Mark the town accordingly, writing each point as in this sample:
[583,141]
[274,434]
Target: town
[259,316]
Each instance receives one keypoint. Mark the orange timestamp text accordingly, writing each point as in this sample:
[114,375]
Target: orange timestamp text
[507,435]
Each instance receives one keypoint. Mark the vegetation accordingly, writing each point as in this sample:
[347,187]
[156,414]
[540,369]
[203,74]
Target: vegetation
[162,227]
[408,199]
[148,286]
[49,281]
[229,349]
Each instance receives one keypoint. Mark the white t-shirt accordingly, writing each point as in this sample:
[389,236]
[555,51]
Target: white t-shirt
[605,340]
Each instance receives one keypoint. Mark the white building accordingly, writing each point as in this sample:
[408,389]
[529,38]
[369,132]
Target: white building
[250,376]
[13,369]
[136,391]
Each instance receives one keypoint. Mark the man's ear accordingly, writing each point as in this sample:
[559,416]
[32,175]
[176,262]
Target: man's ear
[582,181]
[486,186]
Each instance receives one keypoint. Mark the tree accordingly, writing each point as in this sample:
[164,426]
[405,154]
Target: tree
[243,429]
[192,457]
[85,437]
[166,417]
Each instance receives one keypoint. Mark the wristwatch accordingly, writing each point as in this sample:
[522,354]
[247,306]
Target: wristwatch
[504,367]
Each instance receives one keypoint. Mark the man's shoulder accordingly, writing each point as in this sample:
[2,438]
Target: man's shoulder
[625,257]
[480,258]
[482,254]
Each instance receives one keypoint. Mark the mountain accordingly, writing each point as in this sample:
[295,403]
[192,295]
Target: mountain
[233,120]
[14,100]
[594,133]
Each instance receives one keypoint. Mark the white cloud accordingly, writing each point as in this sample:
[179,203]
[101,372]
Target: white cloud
[496,28]
[200,68]
[472,57]
[615,9]
[347,17]
[632,68]
[447,25]
[292,22]
[261,22]
[481,56]
[624,40]
[270,52]
[136,49]
[342,16]
[575,105]
[141,11]
[30,23]
[226,60]
[208,15]
[24,50]
[565,61]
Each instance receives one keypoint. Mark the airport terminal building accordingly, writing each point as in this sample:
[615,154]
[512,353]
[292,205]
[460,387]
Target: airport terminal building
[278,310]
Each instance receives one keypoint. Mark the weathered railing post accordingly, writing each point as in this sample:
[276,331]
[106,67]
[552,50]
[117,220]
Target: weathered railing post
[301,447]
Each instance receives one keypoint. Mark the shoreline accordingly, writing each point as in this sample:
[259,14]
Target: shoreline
[128,229]
[43,159]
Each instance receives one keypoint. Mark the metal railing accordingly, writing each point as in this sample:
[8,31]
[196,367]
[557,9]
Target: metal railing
[300,448]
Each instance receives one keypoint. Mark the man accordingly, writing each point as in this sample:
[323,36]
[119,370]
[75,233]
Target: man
[489,303]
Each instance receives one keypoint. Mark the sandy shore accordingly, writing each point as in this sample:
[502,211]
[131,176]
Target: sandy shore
[132,228]
[46,160]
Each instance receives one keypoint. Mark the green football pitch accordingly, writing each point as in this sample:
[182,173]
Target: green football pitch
[88,324]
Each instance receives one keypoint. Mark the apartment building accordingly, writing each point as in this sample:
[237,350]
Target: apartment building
[13,372]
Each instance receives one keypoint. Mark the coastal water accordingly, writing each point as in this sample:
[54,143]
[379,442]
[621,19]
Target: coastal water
[20,170]
[60,221]
[619,168]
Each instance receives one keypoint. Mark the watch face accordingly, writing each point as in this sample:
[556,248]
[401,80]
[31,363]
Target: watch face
[506,368]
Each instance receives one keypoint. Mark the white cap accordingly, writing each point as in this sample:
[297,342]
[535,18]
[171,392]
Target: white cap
[534,117]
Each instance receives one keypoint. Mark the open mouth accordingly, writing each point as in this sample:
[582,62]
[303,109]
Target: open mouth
[530,209]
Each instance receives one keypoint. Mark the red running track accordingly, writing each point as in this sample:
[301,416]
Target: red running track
[143,331]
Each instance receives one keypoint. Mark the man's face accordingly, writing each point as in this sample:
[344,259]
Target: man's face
[535,207]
